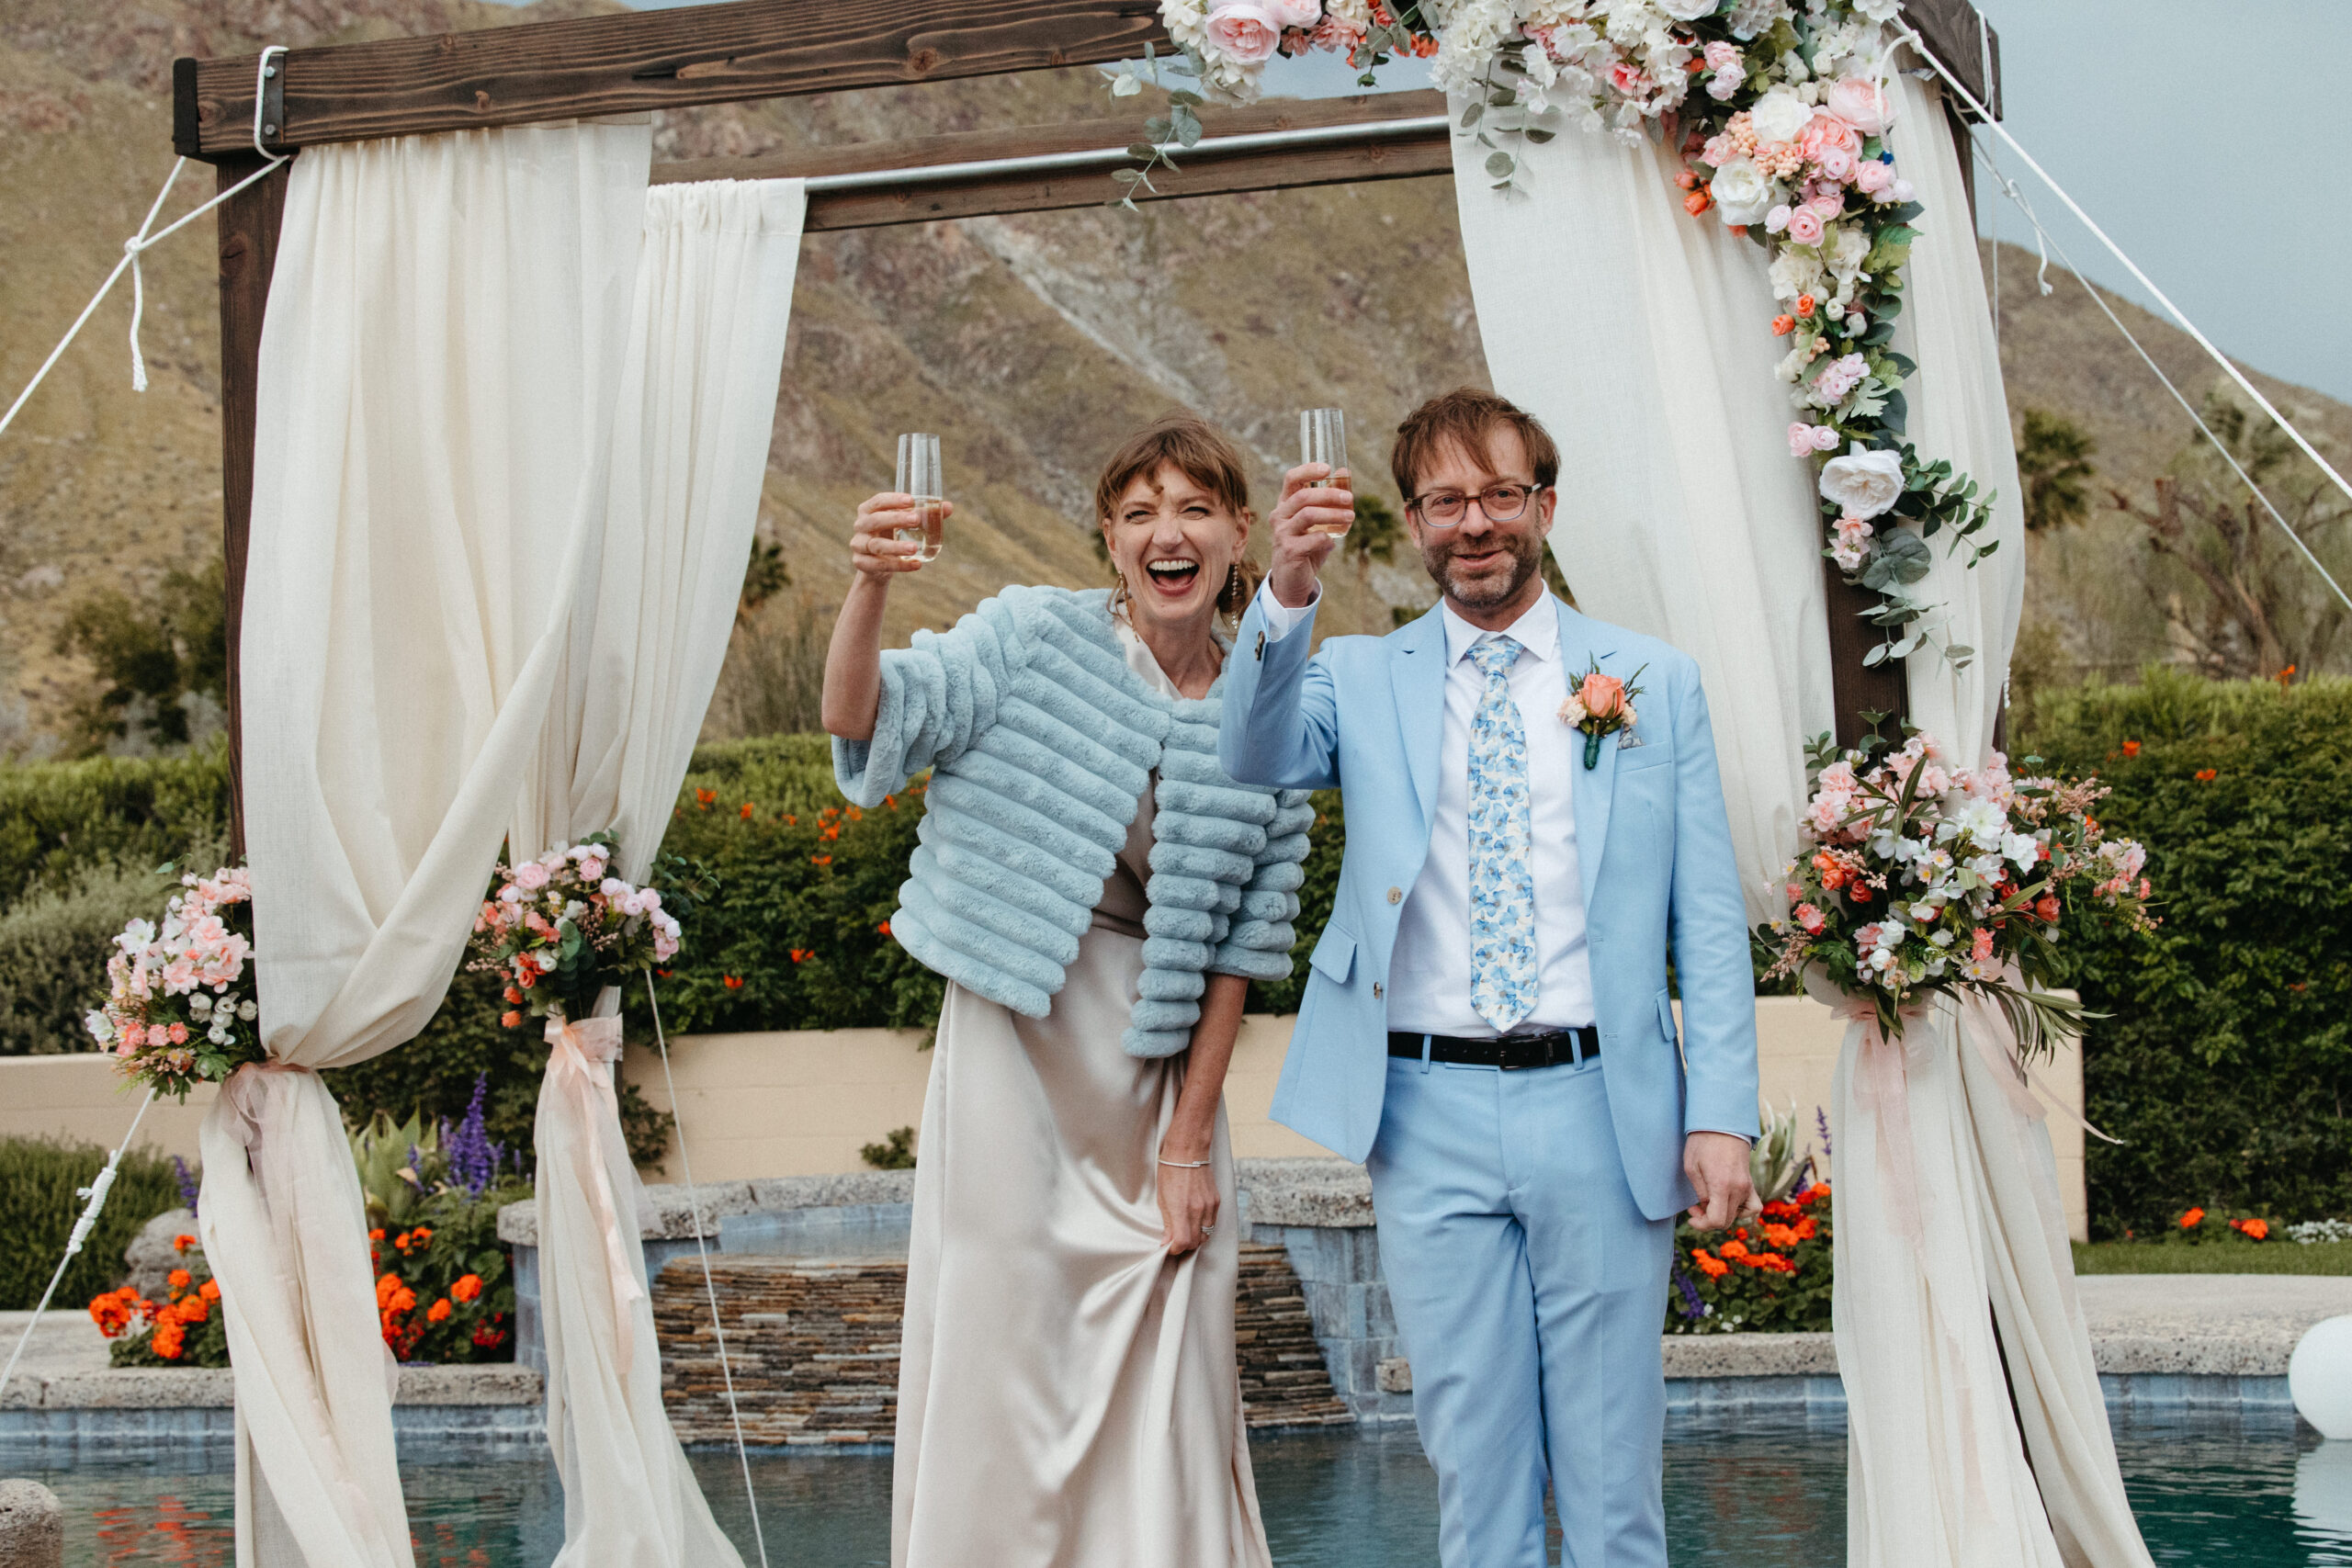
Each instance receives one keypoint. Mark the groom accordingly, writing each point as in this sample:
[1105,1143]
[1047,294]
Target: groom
[1486,1022]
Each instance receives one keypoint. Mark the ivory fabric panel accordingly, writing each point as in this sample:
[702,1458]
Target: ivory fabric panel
[446,332]
[690,443]
[1639,337]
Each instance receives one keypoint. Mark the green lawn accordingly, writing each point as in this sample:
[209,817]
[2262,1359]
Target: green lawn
[2228,1257]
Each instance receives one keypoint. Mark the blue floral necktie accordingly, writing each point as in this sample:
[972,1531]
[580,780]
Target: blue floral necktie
[1503,882]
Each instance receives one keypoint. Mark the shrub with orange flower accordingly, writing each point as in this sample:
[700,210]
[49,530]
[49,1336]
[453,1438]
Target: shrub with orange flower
[182,1330]
[1772,1275]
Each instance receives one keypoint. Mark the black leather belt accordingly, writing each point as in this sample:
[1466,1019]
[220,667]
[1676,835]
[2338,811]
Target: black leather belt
[1560,1047]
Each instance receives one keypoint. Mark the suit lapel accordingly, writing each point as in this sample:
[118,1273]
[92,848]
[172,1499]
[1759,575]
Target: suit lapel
[1417,672]
[1582,645]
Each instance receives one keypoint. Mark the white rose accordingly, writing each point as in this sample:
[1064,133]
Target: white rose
[1741,191]
[1780,116]
[1861,483]
[1688,10]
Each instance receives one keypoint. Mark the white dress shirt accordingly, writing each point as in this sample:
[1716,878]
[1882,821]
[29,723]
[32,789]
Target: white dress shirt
[1429,975]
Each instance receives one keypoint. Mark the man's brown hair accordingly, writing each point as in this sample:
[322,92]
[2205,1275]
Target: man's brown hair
[1467,417]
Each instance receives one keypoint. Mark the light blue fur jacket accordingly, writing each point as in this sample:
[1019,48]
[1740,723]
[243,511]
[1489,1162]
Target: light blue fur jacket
[1041,741]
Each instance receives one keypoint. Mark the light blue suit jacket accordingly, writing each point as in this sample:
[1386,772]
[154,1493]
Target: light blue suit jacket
[1366,715]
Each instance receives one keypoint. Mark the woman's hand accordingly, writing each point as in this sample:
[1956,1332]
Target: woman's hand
[874,548]
[1188,1206]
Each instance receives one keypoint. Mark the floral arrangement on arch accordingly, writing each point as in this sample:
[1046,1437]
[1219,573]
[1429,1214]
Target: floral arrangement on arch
[561,927]
[1778,113]
[1916,877]
[180,1007]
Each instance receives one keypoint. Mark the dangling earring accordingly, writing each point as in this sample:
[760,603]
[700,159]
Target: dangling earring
[1230,601]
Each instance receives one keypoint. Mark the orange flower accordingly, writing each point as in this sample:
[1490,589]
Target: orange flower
[891,801]
[510,1020]
[1686,179]
[884,928]
[179,1279]
[182,1243]
[210,1290]
[2206,775]
[422,1234]
[1784,325]
[467,1287]
[1814,1193]
[1713,1267]
[747,811]
[1698,201]
[833,830]
[1734,1249]
[820,860]
[1782,1236]
[1804,304]
[439,1311]
[2191,1220]
[855,815]
[791,820]
[1603,696]
[733,982]
[802,954]
[706,797]
[169,1342]
[2252,1230]
[2131,748]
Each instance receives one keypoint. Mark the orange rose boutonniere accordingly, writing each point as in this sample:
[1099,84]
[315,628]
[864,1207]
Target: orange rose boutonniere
[1600,704]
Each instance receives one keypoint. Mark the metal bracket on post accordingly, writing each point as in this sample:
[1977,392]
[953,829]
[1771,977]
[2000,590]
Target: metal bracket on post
[272,119]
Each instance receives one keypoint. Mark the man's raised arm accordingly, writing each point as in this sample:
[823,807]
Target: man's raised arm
[1280,721]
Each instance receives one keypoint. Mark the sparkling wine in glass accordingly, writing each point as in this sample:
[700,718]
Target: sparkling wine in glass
[919,476]
[1323,438]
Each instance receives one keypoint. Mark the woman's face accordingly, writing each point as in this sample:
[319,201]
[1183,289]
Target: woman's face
[1174,544]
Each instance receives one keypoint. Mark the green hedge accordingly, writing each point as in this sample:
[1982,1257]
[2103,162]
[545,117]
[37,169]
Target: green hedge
[2226,1062]
[59,821]
[39,1206]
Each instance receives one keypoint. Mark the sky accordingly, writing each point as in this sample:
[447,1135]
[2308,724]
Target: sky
[2175,124]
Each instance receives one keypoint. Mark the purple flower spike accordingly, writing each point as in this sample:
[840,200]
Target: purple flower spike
[1821,1120]
[473,1158]
[187,1183]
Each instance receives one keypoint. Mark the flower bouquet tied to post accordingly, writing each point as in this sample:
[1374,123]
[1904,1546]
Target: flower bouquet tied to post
[180,1007]
[1916,878]
[561,927]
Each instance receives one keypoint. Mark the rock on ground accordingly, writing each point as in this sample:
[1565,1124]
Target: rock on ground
[150,1255]
[32,1526]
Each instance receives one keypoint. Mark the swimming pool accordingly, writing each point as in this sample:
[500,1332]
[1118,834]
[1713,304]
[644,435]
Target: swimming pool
[2250,1492]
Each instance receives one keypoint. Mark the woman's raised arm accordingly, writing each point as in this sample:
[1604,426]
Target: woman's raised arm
[854,660]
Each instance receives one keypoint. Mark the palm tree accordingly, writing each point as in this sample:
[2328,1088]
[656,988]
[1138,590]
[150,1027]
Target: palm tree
[2053,462]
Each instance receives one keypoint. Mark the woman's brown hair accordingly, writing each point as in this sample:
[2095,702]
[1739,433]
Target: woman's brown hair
[1199,451]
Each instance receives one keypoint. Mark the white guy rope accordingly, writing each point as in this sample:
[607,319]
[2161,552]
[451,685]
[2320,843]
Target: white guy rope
[143,241]
[2009,189]
[1911,36]
[710,1287]
[97,1193]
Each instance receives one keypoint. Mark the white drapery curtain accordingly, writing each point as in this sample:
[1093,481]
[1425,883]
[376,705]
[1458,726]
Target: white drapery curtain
[1637,337]
[1636,334]
[1937,1475]
[437,377]
[696,408]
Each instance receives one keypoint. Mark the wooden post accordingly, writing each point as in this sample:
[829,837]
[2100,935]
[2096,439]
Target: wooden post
[248,233]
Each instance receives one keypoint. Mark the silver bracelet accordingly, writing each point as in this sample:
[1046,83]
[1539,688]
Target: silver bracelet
[1189,1164]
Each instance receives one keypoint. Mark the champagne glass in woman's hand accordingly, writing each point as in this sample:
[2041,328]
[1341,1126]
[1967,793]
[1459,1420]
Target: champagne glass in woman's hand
[899,530]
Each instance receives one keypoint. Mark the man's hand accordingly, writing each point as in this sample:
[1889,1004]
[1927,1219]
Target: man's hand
[1299,551]
[1717,1166]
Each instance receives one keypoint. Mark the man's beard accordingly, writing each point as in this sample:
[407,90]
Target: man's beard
[1526,551]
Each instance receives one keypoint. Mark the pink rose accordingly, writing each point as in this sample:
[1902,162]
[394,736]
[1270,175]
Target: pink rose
[1809,918]
[1824,439]
[1627,78]
[1288,14]
[530,876]
[1872,178]
[1603,696]
[1837,164]
[1247,34]
[1826,131]
[1800,440]
[1722,56]
[1777,220]
[1804,226]
[1860,103]
[1829,206]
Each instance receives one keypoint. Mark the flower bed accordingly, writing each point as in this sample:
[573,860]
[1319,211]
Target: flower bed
[185,1330]
[1772,1275]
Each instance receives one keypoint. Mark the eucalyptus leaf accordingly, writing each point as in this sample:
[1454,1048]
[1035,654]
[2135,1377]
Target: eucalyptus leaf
[1184,100]
[1500,165]
[1470,115]
[1538,137]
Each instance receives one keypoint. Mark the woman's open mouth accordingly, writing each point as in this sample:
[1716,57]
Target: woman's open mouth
[1172,578]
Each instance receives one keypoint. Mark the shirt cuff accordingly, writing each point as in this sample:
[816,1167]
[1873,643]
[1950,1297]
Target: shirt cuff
[1281,619]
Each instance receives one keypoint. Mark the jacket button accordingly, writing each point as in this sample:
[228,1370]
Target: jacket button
[1396,894]
[1376,990]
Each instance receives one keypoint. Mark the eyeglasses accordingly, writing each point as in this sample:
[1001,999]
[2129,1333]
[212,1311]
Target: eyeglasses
[1499,504]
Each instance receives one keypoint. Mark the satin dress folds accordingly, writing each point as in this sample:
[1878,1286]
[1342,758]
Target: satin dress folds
[1067,1392]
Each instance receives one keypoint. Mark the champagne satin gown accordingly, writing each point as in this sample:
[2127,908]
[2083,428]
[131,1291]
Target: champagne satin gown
[1068,1393]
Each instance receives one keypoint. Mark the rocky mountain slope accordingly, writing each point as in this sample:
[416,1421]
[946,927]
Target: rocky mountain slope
[1031,343]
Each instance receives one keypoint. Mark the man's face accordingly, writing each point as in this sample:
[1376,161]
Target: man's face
[1480,564]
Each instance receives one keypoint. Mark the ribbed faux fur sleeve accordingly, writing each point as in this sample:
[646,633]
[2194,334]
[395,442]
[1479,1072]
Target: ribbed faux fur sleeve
[940,694]
[1259,942]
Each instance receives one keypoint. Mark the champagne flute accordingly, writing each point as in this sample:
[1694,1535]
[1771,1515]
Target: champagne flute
[919,476]
[1323,438]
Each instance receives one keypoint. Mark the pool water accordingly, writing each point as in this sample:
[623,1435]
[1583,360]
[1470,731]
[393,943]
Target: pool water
[2255,1493]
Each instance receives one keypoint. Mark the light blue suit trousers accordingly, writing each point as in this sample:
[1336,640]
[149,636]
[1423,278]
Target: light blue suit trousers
[1525,1218]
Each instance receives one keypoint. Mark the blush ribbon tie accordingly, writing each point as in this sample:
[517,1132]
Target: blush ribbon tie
[580,1061]
[243,1092]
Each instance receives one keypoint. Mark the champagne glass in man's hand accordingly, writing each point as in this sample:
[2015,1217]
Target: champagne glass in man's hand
[900,530]
[1323,439]
[1315,510]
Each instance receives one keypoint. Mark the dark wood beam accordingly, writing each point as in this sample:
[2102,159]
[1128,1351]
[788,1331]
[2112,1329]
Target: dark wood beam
[647,60]
[247,226]
[1380,153]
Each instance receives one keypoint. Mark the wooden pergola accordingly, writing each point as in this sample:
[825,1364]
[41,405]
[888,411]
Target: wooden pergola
[769,49]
